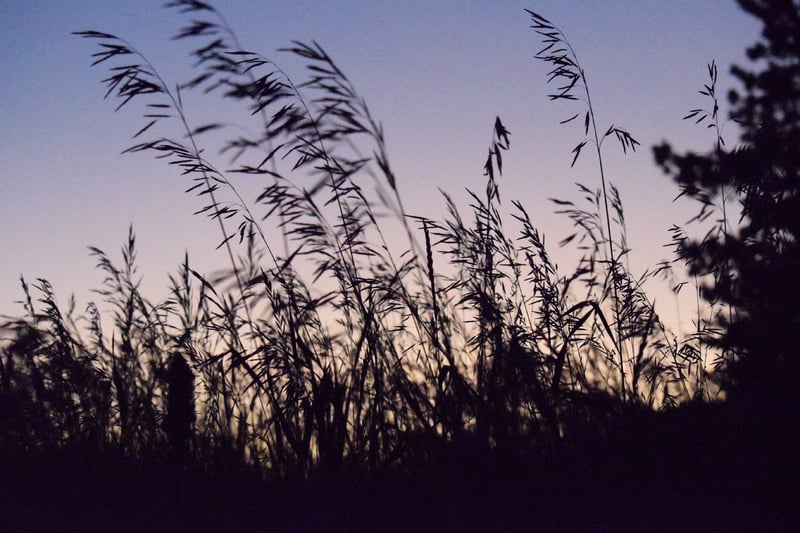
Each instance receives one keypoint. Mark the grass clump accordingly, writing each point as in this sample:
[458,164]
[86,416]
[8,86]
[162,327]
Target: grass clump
[327,363]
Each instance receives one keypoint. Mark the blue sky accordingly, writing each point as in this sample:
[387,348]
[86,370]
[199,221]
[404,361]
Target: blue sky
[435,73]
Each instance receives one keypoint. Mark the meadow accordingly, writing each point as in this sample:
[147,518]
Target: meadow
[335,377]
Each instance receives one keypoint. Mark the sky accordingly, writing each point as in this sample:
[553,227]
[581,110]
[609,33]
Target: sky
[436,74]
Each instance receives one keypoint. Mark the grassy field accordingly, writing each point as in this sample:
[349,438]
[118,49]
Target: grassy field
[333,380]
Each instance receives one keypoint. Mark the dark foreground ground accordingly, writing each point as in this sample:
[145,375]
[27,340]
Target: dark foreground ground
[704,468]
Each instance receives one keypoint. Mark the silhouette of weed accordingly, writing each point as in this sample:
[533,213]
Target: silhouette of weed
[459,378]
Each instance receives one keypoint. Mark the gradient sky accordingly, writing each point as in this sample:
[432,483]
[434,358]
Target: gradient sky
[435,73]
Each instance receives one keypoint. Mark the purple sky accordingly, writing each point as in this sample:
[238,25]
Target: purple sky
[435,73]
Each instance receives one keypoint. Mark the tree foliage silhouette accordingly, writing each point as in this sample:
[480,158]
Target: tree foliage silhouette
[755,267]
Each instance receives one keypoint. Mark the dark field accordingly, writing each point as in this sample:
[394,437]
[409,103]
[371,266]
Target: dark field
[329,380]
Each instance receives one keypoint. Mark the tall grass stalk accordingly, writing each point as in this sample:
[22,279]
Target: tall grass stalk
[559,53]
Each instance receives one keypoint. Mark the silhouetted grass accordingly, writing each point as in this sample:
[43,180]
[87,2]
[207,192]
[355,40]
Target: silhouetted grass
[332,377]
